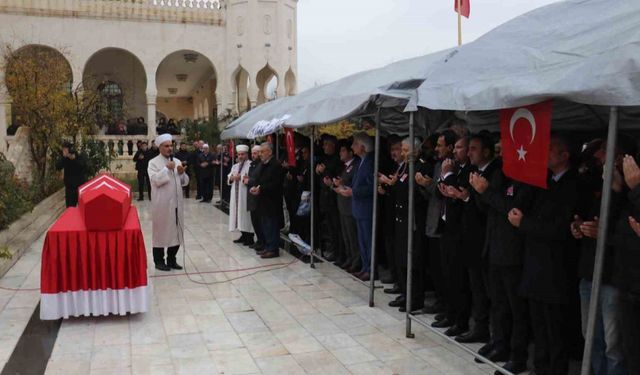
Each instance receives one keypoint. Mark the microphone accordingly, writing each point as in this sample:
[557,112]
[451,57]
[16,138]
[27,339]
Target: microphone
[171,157]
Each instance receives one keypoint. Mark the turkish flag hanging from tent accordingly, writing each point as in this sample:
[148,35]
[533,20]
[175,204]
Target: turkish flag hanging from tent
[525,137]
[465,7]
[291,147]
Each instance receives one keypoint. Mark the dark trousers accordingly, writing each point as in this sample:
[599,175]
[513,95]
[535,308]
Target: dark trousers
[549,338]
[331,223]
[292,200]
[303,227]
[198,185]
[630,314]
[509,312]
[364,242]
[480,302]
[206,186]
[158,255]
[143,184]
[417,284]
[435,268]
[257,227]
[271,233]
[455,280]
[389,251]
[350,237]
[71,195]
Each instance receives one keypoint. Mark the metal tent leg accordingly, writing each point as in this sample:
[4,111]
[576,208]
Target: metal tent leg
[412,173]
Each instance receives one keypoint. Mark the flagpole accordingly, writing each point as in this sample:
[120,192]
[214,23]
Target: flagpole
[459,22]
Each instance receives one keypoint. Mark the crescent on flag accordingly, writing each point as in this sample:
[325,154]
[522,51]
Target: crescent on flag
[527,115]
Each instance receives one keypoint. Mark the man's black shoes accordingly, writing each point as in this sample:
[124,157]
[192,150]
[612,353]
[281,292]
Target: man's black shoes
[394,290]
[400,301]
[455,331]
[513,367]
[444,323]
[163,267]
[473,336]
[174,266]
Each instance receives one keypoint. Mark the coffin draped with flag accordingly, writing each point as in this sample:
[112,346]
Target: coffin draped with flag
[94,259]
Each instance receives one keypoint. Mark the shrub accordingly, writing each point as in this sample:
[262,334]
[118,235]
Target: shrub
[15,196]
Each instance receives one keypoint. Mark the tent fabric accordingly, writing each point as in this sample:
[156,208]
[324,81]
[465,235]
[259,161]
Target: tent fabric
[338,100]
[584,51]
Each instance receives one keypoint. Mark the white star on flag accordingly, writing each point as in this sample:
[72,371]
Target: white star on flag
[521,153]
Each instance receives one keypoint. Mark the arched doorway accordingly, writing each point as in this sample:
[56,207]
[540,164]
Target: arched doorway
[267,81]
[120,78]
[186,82]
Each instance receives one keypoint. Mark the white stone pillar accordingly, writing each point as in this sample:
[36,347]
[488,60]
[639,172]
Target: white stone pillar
[4,102]
[151,116]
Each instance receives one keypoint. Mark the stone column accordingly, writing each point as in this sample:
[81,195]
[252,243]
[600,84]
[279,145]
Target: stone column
[151,116]
[4,102]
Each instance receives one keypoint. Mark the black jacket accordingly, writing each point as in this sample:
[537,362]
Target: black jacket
[193,161]
[142,164]
[270,182]
[504,244]
[548,241]
[328,200]
[474,217]
[75,171]
[344,203]
[206,171]
[626,274]
[254,172]
[183,156]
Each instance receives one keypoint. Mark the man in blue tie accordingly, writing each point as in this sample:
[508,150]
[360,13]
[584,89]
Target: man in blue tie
[361,191]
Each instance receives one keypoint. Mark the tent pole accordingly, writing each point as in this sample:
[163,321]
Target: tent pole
[312,174]
[374,222]
[602,239]
[277,145]
[412,172]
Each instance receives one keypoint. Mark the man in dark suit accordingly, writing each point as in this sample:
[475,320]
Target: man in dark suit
[454,179]
[141,158]
[434,224]
[252,200]
[205,164]
[183,156]
[268,189]
[361,191]
[548,248]
[193,161]
[348,224]
[329,168]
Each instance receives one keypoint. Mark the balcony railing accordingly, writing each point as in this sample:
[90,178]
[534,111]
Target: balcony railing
[210,12]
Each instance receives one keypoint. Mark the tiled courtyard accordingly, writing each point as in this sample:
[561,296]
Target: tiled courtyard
[289,320]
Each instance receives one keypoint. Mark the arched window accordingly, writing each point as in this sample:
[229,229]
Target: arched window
[112,99]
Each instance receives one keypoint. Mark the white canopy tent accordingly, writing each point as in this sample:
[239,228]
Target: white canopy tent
[583,51]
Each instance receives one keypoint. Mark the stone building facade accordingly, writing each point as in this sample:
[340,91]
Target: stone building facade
[172,58]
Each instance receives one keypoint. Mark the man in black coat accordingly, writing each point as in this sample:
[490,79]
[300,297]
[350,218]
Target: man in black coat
[548,248]
[183,156]
[503,249]
[269,193]
[454,179]
[75,173]
[252,200]
[205,164]
[329,168]
[193,161]
[141,158]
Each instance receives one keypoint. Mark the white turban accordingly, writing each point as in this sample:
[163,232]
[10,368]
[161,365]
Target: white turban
[205,146]
[256,148]
[162,138]
[242,148]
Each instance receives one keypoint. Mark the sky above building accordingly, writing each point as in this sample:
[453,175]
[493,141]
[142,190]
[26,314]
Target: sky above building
[341,37]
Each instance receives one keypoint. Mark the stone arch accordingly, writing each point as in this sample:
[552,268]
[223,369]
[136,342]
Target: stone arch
[184,79]
[207,109]
[290,84]
[114,65]
[241,83]
[267,81]
[41,58]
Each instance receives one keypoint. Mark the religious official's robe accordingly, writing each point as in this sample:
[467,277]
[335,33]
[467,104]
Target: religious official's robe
[239,216]
[166,196]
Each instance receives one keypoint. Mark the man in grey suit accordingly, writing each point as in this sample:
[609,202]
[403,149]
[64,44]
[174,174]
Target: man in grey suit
[351,261]
[435,215]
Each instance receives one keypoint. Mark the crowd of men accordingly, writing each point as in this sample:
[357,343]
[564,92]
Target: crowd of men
[503,263]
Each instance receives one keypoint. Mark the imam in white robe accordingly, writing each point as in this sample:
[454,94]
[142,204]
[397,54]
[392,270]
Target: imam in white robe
[239,216]
[166,196]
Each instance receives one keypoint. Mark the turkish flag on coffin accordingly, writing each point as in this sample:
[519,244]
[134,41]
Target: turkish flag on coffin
[465,7]
[291,147]
[525,136]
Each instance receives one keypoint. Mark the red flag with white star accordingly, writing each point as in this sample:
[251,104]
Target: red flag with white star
[525,137]
[465,7]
